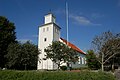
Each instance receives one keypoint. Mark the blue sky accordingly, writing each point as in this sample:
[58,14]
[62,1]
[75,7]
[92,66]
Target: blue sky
[87,18]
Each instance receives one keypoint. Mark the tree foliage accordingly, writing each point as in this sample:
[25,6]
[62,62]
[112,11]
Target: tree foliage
[22,56]
[107,45]
[92,61]
[7,36]
[60,53]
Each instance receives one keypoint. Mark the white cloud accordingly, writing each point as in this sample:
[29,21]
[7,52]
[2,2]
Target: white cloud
[82,20]
[96,15]
[59,11]
[24,40]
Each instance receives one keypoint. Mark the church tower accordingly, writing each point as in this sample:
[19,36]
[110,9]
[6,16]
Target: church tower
[48,33]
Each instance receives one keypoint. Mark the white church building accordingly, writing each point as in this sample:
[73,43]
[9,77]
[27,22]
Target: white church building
[49,32]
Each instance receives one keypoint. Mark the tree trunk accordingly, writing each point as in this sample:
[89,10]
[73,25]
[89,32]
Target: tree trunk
[113,65]
[58,67]
[102,66]
[25,66]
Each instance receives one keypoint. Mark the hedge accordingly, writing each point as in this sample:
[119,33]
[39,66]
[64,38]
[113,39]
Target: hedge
[54,75]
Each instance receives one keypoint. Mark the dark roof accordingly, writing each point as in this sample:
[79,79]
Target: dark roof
[72,46]
[51,14]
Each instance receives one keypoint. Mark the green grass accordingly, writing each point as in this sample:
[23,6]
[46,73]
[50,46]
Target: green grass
[37,75]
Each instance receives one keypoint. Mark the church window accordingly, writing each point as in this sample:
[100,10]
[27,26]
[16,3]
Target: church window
[82,60]
[79,60]
[43,29]
[55,29]
[58,31]
[45,39]
[47,28]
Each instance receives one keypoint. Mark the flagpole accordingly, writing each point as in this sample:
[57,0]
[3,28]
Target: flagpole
[67,21]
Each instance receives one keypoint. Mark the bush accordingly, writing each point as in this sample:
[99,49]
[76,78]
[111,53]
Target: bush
[81,68]
[117,74]
[54,75]
[63,68]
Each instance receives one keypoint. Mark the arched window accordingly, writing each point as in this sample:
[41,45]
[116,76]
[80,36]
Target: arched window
[85,60]
[79,60]
[47,28]
[43,29]
[82,60]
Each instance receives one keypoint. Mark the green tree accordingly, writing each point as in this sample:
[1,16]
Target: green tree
[92,61]
[22,56]
[7,36]
[30,55]
[60,53]
[105,45]
[13,56]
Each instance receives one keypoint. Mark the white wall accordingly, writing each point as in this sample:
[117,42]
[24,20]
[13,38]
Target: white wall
[43,33]
[49,19]
[48,32]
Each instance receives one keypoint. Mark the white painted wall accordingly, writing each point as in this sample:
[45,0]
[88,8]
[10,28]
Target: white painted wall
[49,18]
[47,31]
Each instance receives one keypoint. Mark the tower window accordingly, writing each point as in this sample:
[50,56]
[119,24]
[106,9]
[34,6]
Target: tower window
[43,29]
[47,28]
[56,30]
[45,39]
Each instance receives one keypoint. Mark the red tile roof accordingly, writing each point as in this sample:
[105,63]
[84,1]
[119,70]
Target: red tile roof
[72,46]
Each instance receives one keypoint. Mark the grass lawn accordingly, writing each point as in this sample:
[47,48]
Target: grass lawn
[54,75]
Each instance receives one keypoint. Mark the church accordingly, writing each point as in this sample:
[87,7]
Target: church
[49,32]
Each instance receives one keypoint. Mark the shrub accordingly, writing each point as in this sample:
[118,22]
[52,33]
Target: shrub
[63,68]
[81,68]
[117,74]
